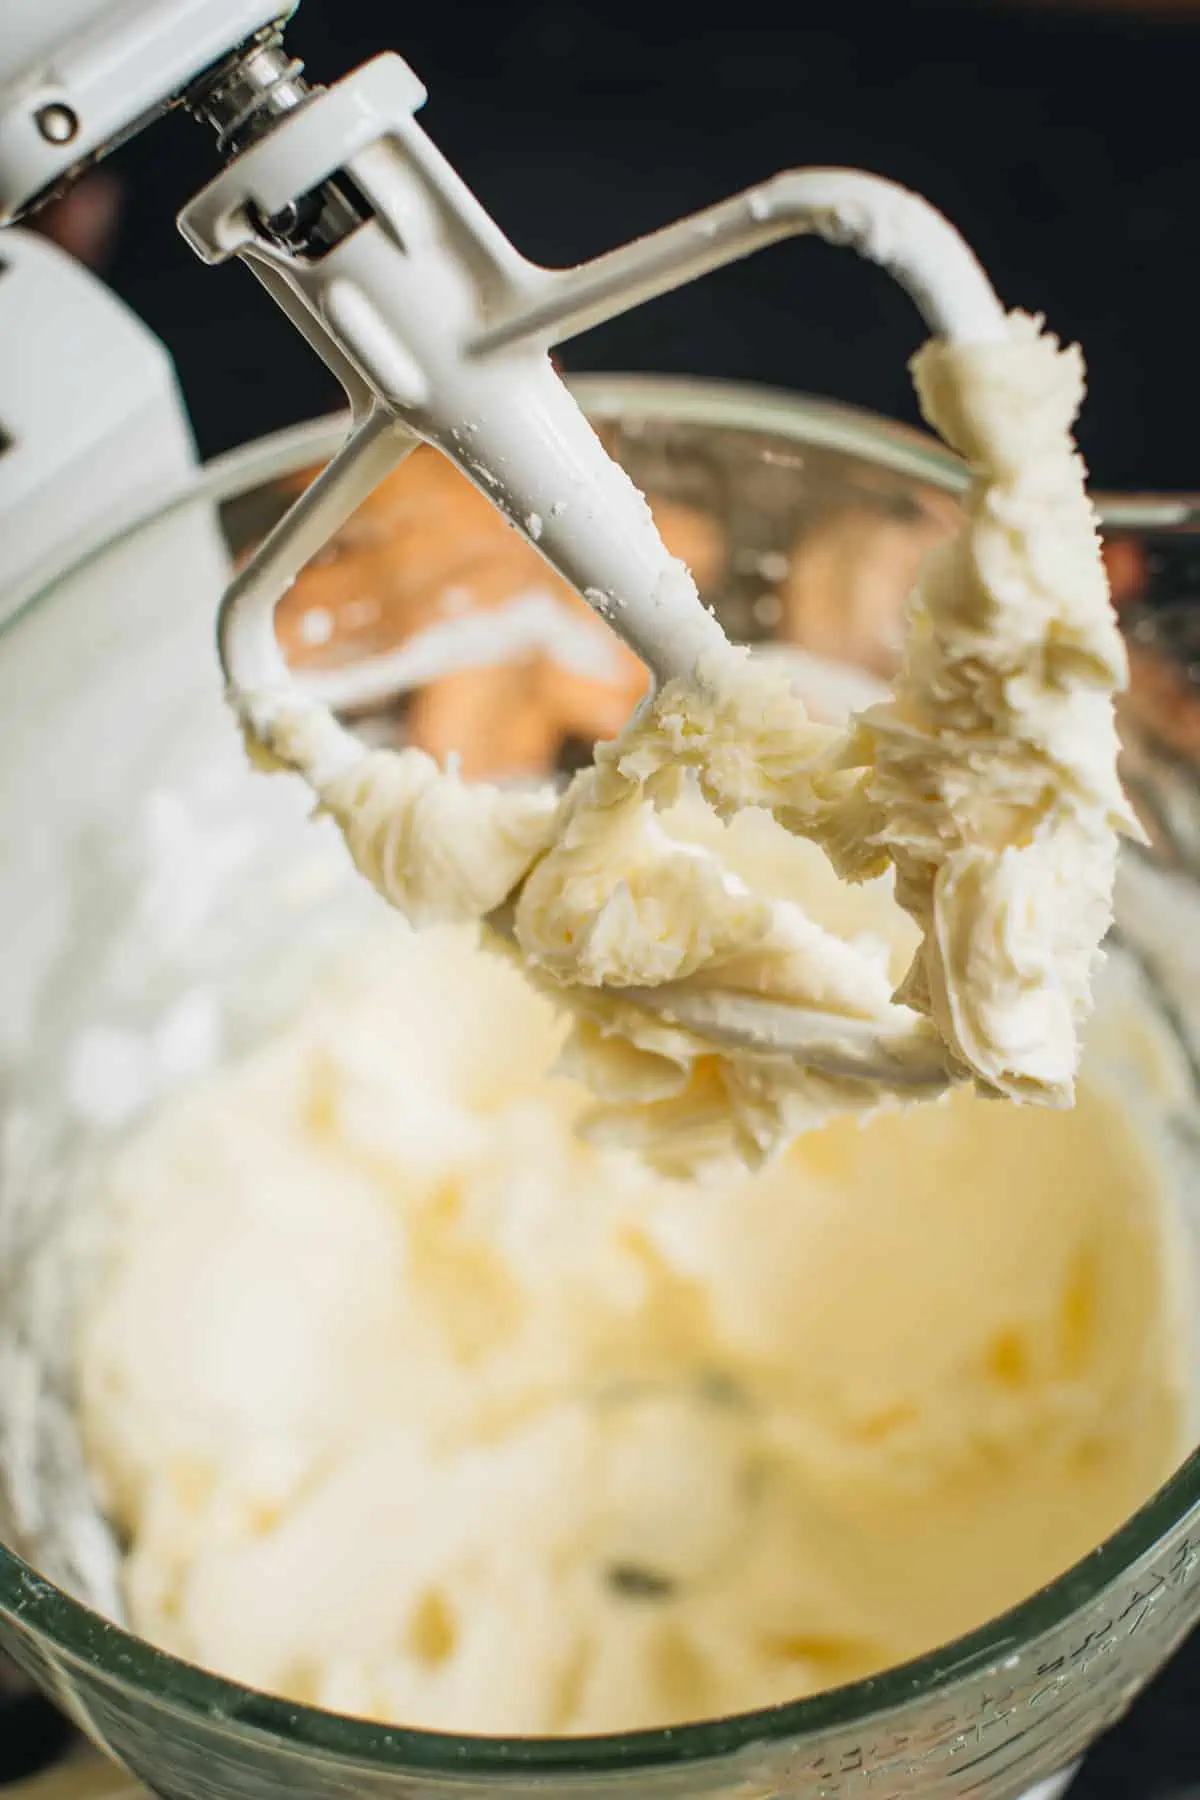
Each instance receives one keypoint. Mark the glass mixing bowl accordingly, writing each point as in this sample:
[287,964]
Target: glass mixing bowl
[136,945]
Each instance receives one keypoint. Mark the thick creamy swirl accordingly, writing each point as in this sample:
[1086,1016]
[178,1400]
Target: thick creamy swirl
[991,774]
[409,1403]
[985,788]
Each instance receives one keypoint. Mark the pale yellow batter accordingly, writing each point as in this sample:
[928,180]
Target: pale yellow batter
[416,1405]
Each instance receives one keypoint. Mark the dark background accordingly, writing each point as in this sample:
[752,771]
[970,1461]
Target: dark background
[1066,145]
[1064,142]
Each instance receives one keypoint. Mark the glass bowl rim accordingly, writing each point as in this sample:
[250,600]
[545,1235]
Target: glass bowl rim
[84,1639]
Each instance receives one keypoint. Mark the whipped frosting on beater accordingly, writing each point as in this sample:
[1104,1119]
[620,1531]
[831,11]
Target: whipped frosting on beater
[985,788]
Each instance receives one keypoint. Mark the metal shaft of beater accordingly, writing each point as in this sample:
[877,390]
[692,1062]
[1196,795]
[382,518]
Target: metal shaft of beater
[244,96]
[244,99]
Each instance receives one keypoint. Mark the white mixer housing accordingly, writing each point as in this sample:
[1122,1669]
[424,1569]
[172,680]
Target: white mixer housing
[78,76]
[93,431]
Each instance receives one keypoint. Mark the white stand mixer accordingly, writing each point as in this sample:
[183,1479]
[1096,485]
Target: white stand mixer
[439,329]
